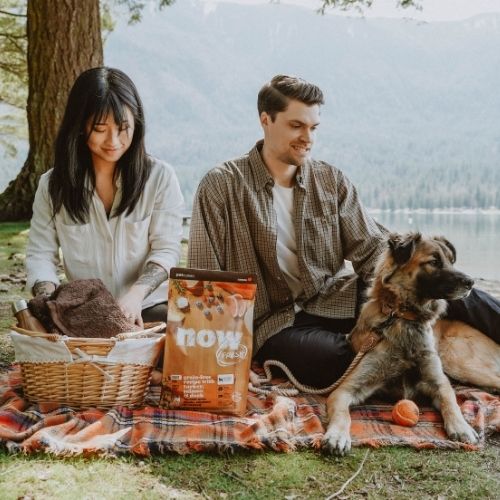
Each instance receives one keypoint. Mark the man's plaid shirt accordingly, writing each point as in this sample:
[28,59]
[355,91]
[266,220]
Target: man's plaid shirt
[233,228]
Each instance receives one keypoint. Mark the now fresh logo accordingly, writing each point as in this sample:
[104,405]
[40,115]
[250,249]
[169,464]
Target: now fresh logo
[208,338]
[230,350]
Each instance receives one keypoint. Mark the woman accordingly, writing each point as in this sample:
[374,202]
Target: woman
[114,211]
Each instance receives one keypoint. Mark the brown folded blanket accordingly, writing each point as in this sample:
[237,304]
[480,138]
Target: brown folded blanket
[83,308]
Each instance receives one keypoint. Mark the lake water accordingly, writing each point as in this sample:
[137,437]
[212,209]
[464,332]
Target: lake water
[476,236]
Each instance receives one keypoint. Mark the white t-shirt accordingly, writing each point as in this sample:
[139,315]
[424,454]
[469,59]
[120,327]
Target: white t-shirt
[286,245]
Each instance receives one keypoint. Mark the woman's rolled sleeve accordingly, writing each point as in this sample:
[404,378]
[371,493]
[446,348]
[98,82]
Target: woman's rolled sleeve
[42,252]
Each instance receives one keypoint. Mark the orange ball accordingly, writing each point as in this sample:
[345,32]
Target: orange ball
[405,412]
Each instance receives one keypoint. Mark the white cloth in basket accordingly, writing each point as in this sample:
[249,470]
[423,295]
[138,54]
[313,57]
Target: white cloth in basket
[141,351]
[135,351]
[39,350]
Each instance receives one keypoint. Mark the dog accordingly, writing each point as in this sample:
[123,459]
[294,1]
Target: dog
[412,281]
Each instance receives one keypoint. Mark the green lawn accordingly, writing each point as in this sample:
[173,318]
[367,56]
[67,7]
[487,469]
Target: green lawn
[386,472]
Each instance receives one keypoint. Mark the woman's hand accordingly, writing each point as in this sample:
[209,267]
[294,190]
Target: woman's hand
[45,288]
[131,302]
[131,305]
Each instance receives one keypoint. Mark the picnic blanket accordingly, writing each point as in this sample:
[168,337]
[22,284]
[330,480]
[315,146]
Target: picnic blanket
[272,422]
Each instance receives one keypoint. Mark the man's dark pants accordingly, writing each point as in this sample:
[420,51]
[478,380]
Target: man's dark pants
[317,353]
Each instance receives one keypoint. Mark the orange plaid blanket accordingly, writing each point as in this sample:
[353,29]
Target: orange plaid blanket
[272,422]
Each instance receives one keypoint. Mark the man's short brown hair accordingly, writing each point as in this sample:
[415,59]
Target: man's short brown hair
[275,95]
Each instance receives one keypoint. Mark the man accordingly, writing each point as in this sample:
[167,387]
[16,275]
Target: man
[292,221]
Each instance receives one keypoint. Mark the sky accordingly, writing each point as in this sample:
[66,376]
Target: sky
[432,10]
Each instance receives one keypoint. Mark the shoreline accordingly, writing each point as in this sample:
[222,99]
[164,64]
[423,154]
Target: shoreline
[436,211]
[488,285]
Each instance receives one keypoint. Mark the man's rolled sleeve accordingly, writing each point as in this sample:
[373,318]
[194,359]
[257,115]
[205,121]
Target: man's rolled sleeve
[208,227]
[363,238]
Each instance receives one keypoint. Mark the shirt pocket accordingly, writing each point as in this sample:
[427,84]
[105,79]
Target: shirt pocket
[135,241]
[320,242]
[75,242]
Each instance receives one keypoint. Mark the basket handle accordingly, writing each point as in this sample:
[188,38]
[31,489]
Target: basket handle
[141,334]
[53,337]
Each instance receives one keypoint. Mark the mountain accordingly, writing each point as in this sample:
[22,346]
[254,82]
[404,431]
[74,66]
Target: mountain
[411,111]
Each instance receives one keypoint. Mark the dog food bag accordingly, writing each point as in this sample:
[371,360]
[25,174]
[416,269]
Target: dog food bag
[208,346]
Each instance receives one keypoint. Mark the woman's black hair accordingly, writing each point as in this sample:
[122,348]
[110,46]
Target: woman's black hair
[96,93]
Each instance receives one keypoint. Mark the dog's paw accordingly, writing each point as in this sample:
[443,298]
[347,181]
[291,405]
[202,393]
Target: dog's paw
[462,432]
[336,442]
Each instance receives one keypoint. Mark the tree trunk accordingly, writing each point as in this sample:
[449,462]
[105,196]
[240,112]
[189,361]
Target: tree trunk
[64,39]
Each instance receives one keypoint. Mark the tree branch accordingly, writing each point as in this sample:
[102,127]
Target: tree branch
[11,36]
[338,492]
[12,14]
[16,70]
[13,41]
[359,4]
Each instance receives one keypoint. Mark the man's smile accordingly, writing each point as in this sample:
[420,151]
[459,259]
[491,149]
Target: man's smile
[301,149]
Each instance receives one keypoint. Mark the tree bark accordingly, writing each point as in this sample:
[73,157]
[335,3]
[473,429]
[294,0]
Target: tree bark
[64,39]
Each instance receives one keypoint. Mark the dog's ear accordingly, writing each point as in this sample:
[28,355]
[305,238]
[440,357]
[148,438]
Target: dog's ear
[403,246]
[448,248]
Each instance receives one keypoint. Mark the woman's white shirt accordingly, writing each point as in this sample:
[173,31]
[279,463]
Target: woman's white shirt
[115,250]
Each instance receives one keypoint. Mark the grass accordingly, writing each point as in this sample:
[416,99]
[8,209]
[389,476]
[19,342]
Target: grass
[12,244]
[387,472]
[13,236]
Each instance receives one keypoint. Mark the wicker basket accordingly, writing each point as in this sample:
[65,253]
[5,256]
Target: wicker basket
[90,380]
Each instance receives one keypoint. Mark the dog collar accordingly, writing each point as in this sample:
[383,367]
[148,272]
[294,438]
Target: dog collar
[394,312]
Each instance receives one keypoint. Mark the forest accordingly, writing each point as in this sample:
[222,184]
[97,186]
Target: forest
[410,114]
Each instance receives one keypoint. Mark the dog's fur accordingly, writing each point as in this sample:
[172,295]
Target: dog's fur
[468,355]
[412,281]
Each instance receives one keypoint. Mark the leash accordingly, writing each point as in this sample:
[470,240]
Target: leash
[293,387]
